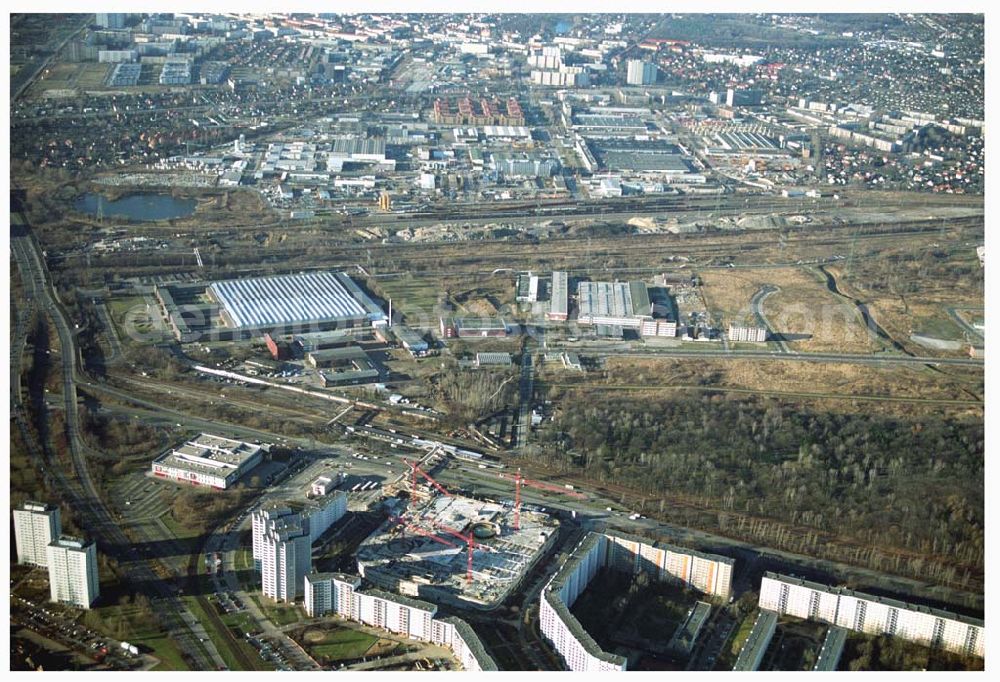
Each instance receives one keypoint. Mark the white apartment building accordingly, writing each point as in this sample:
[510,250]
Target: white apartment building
[667,328]
[316,519]
[872,614]
[639,72]
[36,525]
[748,334]
[286,557]
[338,593]
[325,512]
[260,520]
[73,577]
[709,573]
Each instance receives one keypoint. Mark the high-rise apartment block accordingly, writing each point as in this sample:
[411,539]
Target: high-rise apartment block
[73,577]
[35,525]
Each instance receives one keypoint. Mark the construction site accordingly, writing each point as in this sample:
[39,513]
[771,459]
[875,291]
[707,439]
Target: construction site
[451,548]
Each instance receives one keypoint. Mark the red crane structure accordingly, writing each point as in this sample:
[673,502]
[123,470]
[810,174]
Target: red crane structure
[421,531]
[520,480]
[414,470]
[470,541]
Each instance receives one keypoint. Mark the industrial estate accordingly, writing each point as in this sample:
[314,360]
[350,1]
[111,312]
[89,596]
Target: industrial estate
[586,342]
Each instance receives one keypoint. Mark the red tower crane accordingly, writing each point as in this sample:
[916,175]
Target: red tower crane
[414,470]
[420,531]
[520,480]
[470,541]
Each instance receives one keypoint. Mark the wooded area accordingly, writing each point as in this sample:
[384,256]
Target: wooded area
[911,487]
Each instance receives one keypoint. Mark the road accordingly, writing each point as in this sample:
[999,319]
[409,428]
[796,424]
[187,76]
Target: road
[833,358]
[757,308]
[972,331]
[526,386]
[21,83]
[81,492]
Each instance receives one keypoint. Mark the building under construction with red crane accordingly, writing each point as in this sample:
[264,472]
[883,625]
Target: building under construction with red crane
[447,547]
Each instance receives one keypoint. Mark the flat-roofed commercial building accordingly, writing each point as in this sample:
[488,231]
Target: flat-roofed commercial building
[559,304]
[683,639]
[527,288]
[411,340]
[872,614]
[471,327]
[493,360]
[73,577]
[208,460]
[665,328]
[709,573]
[370,149]
[334,338]
[338,594]
[625,304]
[335,357]
[324,299]
[36,525]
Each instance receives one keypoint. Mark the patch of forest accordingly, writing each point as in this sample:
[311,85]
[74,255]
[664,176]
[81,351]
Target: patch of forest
[914,486]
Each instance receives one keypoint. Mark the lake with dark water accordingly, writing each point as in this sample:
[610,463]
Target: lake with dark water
[138,206]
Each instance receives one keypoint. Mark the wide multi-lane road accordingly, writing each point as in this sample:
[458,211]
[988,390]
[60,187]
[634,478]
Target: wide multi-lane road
[80,491]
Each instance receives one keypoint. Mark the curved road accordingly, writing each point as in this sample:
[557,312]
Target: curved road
[757,307]
[181,625]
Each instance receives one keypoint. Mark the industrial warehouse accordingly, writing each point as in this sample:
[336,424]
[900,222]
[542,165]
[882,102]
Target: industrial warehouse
[428,557]
[623,304]
[294,301]
[209,460]
[708,573]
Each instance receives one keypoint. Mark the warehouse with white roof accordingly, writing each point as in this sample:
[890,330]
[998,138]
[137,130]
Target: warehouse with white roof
[327,299]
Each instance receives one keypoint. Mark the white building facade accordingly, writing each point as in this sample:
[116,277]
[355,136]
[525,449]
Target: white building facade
[872,615]
[286,557]
[338,594]
[36,525]
[73,577]
[747,334]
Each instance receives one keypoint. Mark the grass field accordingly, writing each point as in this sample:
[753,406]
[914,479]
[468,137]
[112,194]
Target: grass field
[57,76]
[742,632]
[338,644]
[415,299]
[91,76]
[803,305]
[811,378]
[939,327]
[279,614]
[418,297]
[909,290]
[139,632]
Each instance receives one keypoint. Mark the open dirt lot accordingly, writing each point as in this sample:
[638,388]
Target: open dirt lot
[802,306]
